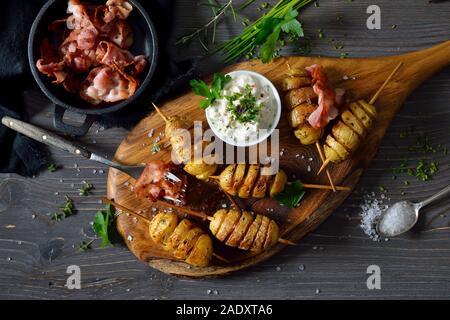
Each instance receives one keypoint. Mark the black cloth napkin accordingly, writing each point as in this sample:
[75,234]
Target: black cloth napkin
[19,154]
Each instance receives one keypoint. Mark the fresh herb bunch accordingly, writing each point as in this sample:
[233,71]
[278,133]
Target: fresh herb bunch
[243,105]
[207,33]
[212,93]
[292,194]
[264,34]
[67,210]
[103,221]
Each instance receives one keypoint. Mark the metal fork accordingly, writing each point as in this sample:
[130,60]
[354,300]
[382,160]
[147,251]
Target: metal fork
[54,140]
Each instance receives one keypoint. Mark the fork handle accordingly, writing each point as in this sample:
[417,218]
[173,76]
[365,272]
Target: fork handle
[44,136]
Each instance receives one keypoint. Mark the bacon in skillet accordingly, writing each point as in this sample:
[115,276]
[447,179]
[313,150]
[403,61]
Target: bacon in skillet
[88,51]
[329,98]
[49,63]
[107,84]
[109,54]
[153,183]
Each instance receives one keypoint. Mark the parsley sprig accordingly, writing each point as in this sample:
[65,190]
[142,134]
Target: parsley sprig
[103,221]
[211,93]
[292,194]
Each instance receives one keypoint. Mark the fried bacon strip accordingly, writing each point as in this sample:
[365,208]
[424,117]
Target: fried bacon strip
[329,98]
[107,84]
[49,63]
[153,183]
[109,54]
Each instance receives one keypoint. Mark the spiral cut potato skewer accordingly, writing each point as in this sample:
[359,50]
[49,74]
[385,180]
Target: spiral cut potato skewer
[248,181]
[198,168]
[301,101]
[240,229]
[183,239]
[352,127]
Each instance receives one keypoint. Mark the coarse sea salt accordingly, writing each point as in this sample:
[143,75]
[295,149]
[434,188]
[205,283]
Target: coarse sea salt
[371,211]
[397,219]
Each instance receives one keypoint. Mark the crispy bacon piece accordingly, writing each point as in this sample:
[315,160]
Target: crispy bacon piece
[117,9]
[121,34]
[49,63]
[329,99]
[107,84]
[109,54]
[154,185]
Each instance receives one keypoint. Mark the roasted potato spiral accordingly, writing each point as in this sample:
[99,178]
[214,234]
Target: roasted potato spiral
[245,181]
[300,101]
[183,239]
[198,168]
[348,132]
[243,230]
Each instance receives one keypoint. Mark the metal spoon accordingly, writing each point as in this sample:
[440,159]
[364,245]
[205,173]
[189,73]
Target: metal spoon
[54,140]
[403,215]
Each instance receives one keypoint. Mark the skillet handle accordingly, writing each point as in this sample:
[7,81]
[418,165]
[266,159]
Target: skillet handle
[75,131]
[44,136]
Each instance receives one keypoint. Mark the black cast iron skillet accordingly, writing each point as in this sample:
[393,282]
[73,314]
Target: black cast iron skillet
[145,42]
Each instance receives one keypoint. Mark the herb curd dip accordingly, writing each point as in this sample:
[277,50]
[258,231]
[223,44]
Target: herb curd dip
[247,111]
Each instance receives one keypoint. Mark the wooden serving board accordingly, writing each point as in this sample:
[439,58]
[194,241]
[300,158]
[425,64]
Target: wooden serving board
[364,76]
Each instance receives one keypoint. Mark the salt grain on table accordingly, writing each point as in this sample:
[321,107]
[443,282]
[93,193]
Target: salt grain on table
[371,211]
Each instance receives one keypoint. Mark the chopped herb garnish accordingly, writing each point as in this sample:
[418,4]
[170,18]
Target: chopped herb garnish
[320,33]
[243,105]
[382,188]
[155,147]
[85,189]
[86,245]
[292,194]
[65,211]
[52,167]
[103,220]
[212,93]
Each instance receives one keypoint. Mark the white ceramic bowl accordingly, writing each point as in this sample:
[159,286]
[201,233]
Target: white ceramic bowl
[277,102]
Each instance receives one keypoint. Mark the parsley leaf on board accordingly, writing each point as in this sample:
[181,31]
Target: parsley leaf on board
[271,30]
[102,223]
[292,194]
[210,93]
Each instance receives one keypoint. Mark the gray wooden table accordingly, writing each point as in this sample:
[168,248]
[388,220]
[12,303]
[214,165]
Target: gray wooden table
[329,263]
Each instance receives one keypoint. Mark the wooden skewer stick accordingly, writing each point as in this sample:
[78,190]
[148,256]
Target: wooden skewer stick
[372,101]
[160,113]
[204,216]
[131,212]
[233,201]
[126,210]
[322,158]
[375,96]
[323,187]
[323,166]
[307,185]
